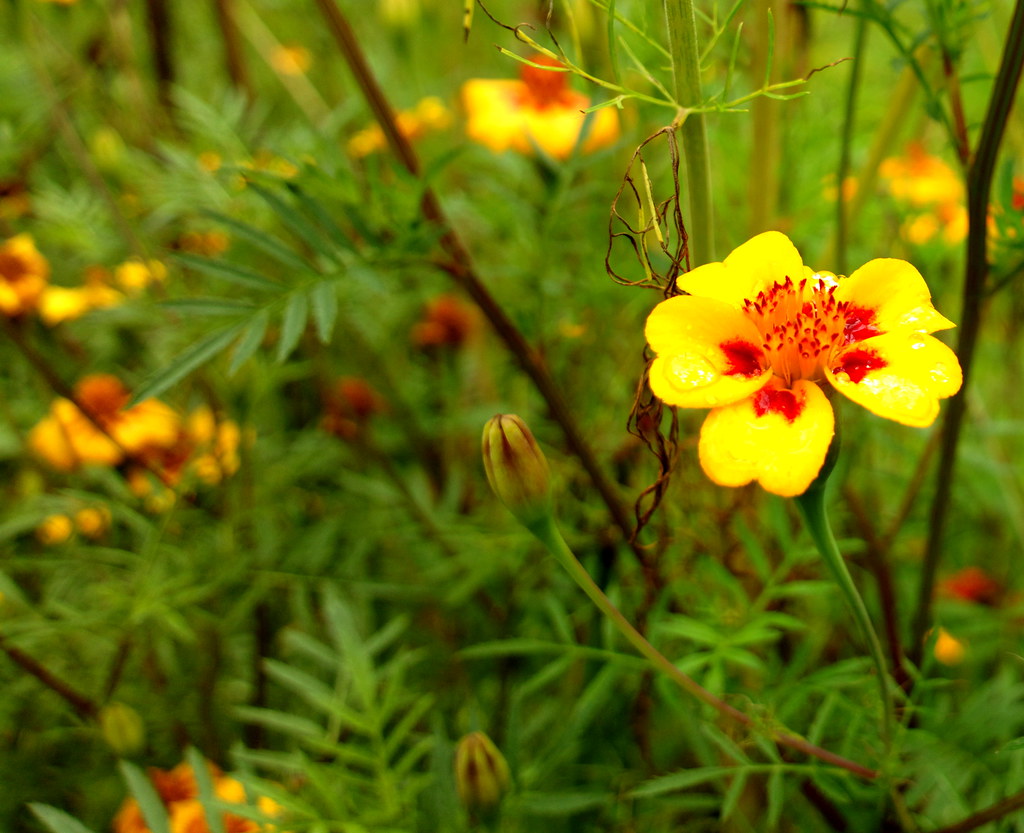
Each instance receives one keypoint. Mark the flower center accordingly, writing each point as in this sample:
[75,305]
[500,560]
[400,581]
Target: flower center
[13,268]
[802,325]
[545,87]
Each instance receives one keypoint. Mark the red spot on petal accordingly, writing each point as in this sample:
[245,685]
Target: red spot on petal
[860,324]
[743,358]
[771,401]
[858,363]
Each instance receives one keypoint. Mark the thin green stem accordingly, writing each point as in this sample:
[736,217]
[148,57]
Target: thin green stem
[682,39]
[812,507]
[979,185]
[846,145]
[548,533]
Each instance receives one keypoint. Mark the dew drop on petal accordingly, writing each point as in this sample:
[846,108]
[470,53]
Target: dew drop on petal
[691,371]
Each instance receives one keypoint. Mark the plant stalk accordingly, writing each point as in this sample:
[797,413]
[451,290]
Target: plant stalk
[812,507]
[682,39]
[979,186]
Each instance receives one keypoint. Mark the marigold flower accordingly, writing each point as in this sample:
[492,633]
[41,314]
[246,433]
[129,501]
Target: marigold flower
[971,584]
[481,773]
[759,333]
[516,468]
[135,275]
[536,111]
[948,649]
[24,273]
[428,115]
[68,438]
[291,60]
[933,189]
[350,406]
[92,521]
[447,322]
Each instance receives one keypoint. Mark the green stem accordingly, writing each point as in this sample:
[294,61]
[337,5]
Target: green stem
[682,38]
[546,530]
[845,147]
[812,507]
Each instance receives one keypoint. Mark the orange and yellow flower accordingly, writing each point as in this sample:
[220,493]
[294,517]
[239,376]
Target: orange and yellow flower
[932,190]
[759,334]
[24,274]
[536,111]
[102,431]
[67,303]
[428,115]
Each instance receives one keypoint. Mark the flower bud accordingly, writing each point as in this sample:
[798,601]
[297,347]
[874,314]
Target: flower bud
[122,728]
[517,469]
[481,772]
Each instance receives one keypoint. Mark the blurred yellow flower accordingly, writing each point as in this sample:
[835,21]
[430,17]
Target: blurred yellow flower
[65,303]
[24,274]
[428,115]
[207,243]
[135,275]
[536,111]
[948,649]
[210,161]
[933,190]
[67,438]
[291,60]
[92,521]
[216,443]
[54,529]
[758,336]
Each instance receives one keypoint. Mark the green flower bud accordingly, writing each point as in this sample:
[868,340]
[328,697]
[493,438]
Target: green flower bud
[481,772]
[517,469]
[122,728]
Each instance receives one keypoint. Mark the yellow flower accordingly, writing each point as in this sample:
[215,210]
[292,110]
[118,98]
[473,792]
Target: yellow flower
[948,649]
[536,111]
[430,114]
[92,521]
[217,443]
[759,333]
[934,190]
[291,60]
[24,273]
[55,529]
[63,303]
[135,275]
[68,438]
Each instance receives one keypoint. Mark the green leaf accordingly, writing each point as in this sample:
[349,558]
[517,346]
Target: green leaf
[57,820]
[324,299]
[263,241]
[204,783]
[208,306]
[185,362]
[230,272]
[292,324]
[681,781]
[295,222]
[561,804]
[322,216]
[288,724]
[733,794]
[153,810]
[252,337]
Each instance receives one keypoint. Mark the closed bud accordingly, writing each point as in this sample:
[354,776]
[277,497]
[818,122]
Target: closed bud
[481,772]
[122,728]
[517,469]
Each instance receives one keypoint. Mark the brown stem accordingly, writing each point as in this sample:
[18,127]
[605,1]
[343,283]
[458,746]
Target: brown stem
[979,184]
[963,146]
[160,32]
[997,811]
[83,706]
[460,268]
[233,56]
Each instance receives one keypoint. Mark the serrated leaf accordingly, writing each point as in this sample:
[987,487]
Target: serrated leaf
[57,820]
[324,300]
[263,241]
[293,322]
[252,337]
[680,781]
[185,362]
[288,724]
[142,789]
[733,794]
[230,272]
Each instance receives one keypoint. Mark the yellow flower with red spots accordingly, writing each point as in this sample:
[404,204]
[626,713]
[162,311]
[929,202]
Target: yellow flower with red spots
[536,111]
[759,334]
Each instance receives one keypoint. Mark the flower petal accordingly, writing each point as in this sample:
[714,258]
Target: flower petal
[709,353]
[900,376]
[758,264]
[778,437]
[897,295]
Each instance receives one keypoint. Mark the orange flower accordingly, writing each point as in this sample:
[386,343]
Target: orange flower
[428,115]
[350,406]
[971,584]
[933,189]
[447,321]
[536,111]
[67,438]
[760,333]
[24,273]
[63,303]
[291,60]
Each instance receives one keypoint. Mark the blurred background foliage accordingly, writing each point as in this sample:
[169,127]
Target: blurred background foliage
[309,583]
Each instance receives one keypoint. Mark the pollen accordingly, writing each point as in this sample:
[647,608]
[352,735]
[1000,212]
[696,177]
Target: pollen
[802,325]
